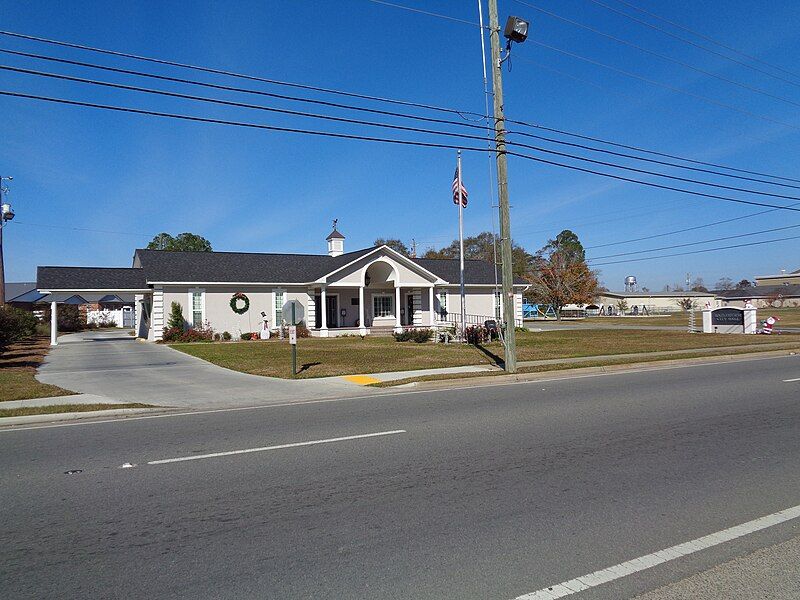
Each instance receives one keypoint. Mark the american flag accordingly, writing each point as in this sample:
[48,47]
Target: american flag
[455,191]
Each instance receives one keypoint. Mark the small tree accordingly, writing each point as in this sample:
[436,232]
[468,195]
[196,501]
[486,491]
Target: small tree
[394,244]
[560,275]
[622,306]
[743,284]
[175,320]
[686,303]
[725,283]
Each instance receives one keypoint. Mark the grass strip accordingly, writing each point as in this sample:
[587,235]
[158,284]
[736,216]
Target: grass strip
[65,408]
[576,365]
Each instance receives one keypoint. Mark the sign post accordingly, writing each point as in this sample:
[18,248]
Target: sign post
[293,312]
[293,341]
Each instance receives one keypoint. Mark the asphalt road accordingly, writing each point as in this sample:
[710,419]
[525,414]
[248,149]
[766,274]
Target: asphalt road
[492,492]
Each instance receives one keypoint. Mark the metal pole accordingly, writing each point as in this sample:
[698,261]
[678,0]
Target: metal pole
[502,192]
[294,347]
[461,246]
[2,268]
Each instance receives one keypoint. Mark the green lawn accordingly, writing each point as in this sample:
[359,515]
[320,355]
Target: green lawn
[349,356]
[18,363]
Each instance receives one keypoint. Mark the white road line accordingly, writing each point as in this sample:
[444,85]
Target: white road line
[791,380]
[602,576]
[278,447]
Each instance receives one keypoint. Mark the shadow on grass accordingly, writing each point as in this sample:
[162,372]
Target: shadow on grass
[21,354]
[307,366]
[491,355]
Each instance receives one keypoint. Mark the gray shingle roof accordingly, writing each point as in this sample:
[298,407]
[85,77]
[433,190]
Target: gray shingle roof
[13,290]
[760,291]
[90,278]
[242,267]
[235,267]
[475,271]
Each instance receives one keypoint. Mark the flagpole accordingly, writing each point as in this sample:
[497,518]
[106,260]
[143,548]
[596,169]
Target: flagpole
[461,245]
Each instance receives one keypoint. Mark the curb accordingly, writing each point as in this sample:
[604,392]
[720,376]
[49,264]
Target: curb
[8,423]
[598,370]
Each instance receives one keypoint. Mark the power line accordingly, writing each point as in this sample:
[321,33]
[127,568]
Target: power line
[719,239]
[708,38]
[458,112]
[644,150]
[660,55]
[386,126]
[666,86]
[302,86]
[82,229]
[425,12]
[695,228]
[229,88]
[382,140]
[691,43]
[343,106]
[616,262]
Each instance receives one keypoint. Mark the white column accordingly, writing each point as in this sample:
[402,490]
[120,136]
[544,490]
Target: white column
[362,325]
[432,314]
[323,331]
[397,326]
[53,324]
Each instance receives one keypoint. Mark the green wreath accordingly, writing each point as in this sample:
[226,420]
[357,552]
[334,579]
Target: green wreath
[235,303]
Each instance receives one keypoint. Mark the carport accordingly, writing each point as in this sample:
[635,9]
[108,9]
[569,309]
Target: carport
[73,285]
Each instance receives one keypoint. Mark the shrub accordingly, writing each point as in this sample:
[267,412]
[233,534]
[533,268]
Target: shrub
[477,334]
[419,336]
[176,320]
[302,330]
[172,334]
[16,324]
[226,335]
[106,320]
[247,336]
[403,336]
[70,318]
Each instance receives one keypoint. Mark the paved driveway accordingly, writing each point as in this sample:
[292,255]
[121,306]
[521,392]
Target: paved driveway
[114,365]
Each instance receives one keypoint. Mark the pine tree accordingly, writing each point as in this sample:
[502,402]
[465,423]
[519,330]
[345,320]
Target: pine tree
[175,316]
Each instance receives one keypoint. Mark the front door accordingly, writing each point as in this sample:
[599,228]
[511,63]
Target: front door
[332,308]
[409,309]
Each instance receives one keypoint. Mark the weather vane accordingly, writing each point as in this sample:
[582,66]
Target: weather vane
[335,221]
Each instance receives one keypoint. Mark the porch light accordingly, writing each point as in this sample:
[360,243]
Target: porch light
[516,30]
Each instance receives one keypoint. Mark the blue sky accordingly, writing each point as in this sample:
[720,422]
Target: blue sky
[134,176]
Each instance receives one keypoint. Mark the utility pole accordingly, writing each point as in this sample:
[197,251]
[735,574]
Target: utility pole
[6,214]
[502,192]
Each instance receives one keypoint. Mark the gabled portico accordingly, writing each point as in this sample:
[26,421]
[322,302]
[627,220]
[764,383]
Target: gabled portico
[380,291]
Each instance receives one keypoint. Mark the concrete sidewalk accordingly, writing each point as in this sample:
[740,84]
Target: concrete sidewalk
[59,400]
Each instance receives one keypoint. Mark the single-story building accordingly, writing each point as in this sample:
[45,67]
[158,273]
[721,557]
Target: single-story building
[762,296]
[782,278]
[648,303]
[97,308]
[365,291]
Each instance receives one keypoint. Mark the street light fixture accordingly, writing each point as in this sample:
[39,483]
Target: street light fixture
[516,30]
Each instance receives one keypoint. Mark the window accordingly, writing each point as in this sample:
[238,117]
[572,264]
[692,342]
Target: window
[197,308]
[443,304]
[382,306]
[497,307]
[278,308]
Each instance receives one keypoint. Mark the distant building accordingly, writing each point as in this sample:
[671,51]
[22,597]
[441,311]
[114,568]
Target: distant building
[783,278]
[648,303]
[762,296]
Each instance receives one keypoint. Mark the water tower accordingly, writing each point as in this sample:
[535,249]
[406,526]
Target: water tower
[630,284]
